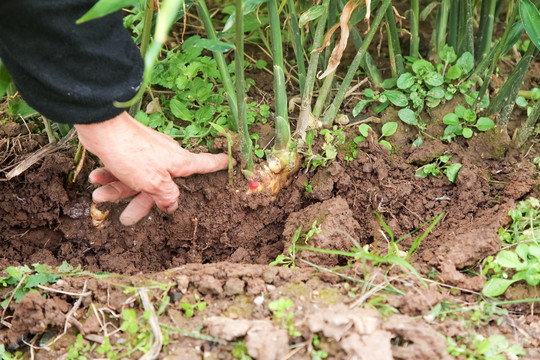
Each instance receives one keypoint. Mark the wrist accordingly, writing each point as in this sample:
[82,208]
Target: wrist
[94,136]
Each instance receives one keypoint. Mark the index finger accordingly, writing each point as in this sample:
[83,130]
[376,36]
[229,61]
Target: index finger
[187,163]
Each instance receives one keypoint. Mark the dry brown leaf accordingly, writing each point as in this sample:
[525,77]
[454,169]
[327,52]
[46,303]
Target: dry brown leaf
[337,53]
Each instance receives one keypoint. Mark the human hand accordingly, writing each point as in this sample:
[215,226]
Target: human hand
[139,160]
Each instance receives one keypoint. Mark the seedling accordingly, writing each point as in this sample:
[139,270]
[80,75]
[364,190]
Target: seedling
[283,318]
[387,130]
[523,262]
[189,309]
[332,139]
[317,354]
[440,165]
[289,259]
[240,351]
[525,222]
[461,122]
[476,347]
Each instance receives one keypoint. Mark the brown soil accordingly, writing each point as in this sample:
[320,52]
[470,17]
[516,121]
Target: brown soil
[45,220]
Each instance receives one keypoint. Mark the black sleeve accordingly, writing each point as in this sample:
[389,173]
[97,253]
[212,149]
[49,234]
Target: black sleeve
[70,73]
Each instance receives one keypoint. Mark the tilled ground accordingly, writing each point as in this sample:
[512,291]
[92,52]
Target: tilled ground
[219,232]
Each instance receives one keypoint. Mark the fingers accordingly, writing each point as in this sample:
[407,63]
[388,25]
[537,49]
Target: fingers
[188,163]
[112,191]
[136,209]
[167,197]
[101,176]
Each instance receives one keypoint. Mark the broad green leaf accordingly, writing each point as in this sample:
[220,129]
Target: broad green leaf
[534,250]
[422,67]
[180,110]
[437,92]
[469,115]
[408,116]
[467,133]
[521,102]
[448,54]
[523,251]
[396,97]
[496,286]
[445,158]
[535,94]
[106,7]
[433,78]
[508,259]
[421,173]
[389,83]
[532,276]
[466,62]
[364,129]
[311,14]
[369,93]
[386,144]
[389,128]
[214,45]
[484,124]
[249,6]
[451,171]
[451,119]
[419,141]
[460,111]
[454,72]
[530,16]
[405,81]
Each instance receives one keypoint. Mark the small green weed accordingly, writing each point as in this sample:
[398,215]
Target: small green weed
[189,309]
[308,187]
[283,318]
[332,139]
[240,351]
[476,347]
[523,262]
[440,165]
[317,354]
[460,122]
[525,221]
[387,130]
[6,355]
[78,351]
[289,259]
[471,316]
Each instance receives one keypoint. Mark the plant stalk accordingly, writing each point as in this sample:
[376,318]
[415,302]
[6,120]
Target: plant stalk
[526,130]
[245,141]
[283,132]
[442,26]
[230,93]
[305,106]
[485,29]
[396,59]
[465,41]
[415,36]
[338,100]
[297,44]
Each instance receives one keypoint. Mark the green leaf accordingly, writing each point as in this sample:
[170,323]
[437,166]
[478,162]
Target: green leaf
[396,97]
[460,111]
[311,14]
[453,73]
[369,93]
[530,16]
[364,129]
[359,107]
[405,81]
[260,64]
[421,173]
[433,78]
[180,110]
[467,133]
[469,115]
[408,116]
[389,128]
[496,286]
[448,54]
[214,45]
[451,171]
[419,141]
[466,62]
[437,92]
[451,119]
[106,7]
[508,259]
[386,144]
[484,124]
[422,67]
[521,102]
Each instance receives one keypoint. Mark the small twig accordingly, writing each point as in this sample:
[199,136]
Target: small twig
[294,352]
[154,351]
[64,292]
[9,301]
